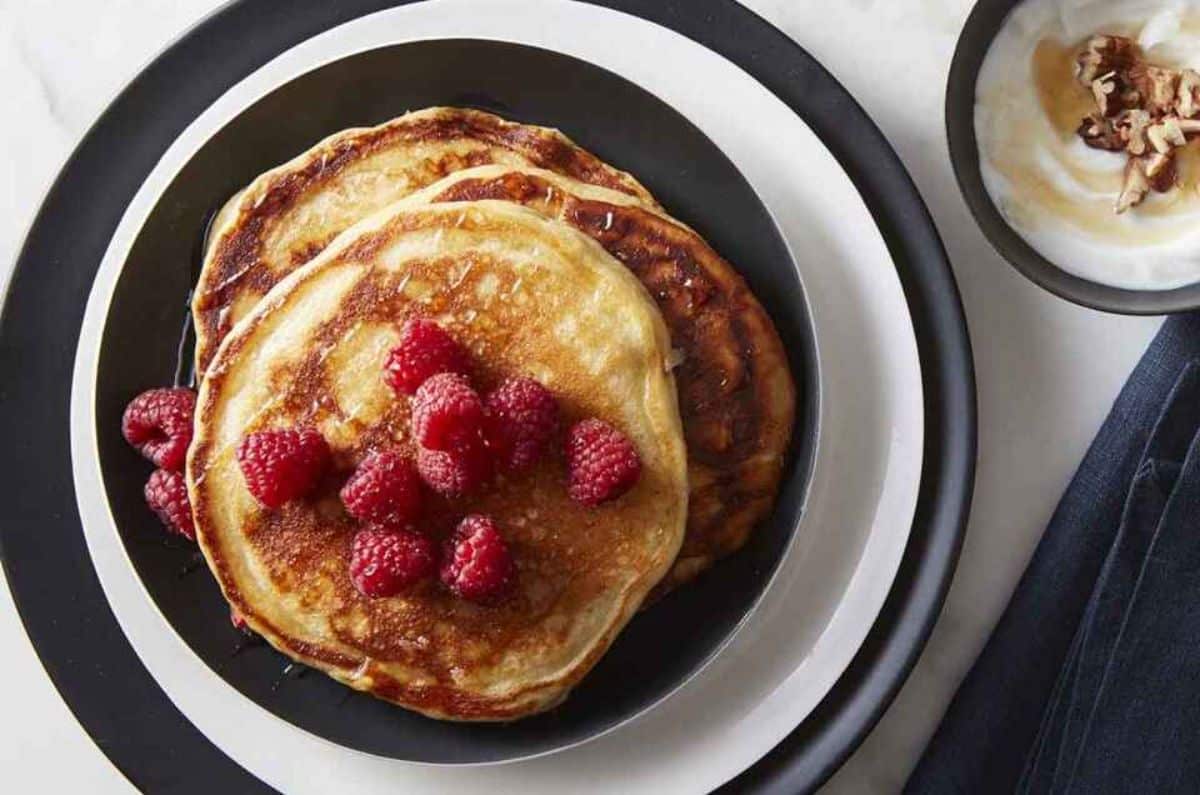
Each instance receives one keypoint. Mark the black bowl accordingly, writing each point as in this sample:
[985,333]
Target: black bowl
[982,26]
[663,646]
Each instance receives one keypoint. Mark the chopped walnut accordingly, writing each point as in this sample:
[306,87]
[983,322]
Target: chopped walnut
[1187,102]
[1102,54]
[1099,133]
[1135,187]
[1155,87]
[1156,172]
[1131,125]
[1166,135]
[1160,170]
[1104,91]
[1147,111]
[1188,127]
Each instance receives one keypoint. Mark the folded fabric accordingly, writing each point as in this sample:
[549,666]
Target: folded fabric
[1090,682]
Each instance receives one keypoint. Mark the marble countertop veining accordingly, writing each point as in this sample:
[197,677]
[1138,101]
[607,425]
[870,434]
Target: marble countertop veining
[1047,370]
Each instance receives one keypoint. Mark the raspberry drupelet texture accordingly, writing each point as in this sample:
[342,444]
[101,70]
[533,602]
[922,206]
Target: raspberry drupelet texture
[477,565]
[385,489]
[446,412]
[385,562]
[424,350]
[603,463]
[283,465]
[458,471]
[166,494]
[520,419]
[158,423]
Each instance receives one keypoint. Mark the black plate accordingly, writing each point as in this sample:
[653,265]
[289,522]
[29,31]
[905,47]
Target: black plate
[982,25]
[70,624]
[661,647]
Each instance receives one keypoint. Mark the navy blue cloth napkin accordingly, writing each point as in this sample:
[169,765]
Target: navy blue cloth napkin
[1090,683]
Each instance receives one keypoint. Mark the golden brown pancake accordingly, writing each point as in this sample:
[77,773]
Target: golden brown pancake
[737,397]
[736,394]
[528,296]
[288,215]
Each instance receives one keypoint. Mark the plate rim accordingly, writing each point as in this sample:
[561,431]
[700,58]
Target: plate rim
[879,550]
[953,467]
[804,445]
[867,688]
[882,551]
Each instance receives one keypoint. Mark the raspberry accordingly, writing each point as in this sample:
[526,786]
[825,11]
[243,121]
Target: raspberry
[385,489]
[158,423]
[603,463]
[239,623]
[282,465]
[424,350]
[446,411]
[166,494]
[521,417]
[383,562]
[477,565]
[457,471]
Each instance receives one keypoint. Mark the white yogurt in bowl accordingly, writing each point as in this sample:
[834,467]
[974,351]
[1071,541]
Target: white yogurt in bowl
[1054,190]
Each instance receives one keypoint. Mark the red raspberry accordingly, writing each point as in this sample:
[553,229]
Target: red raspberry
[385,489]
[239,623]
[158,423]
[603,463]
[424,350]
[521,417]
[477,565]
[446,411]
[460,470]
[167,495]
[383,562]
[283,465]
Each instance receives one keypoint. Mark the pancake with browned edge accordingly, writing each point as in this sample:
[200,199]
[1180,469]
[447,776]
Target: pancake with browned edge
[736,395]
[286,217]
[527,296]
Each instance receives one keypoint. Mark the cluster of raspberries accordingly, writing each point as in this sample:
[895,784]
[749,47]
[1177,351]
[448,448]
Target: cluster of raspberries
[461,440]
[158,424]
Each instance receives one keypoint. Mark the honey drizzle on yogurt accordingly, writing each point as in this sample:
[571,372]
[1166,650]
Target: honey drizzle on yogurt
[1086,202]
[1061,96]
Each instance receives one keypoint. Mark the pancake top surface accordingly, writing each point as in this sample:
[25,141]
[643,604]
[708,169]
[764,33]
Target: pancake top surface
[736,395]
[289,214]
[527,296]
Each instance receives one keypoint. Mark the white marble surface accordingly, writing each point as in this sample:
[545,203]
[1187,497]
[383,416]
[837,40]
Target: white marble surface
[1047,370]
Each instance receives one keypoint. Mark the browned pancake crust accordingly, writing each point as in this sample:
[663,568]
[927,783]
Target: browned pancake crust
[566,552]
[234,266]
[736,394]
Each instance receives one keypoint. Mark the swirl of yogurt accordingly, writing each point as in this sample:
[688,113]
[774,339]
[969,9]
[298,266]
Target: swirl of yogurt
[1053,189]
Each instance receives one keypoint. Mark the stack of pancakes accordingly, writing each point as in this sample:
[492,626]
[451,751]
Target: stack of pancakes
[544,261]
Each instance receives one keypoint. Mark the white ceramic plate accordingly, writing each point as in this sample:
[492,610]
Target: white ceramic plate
[868,463]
